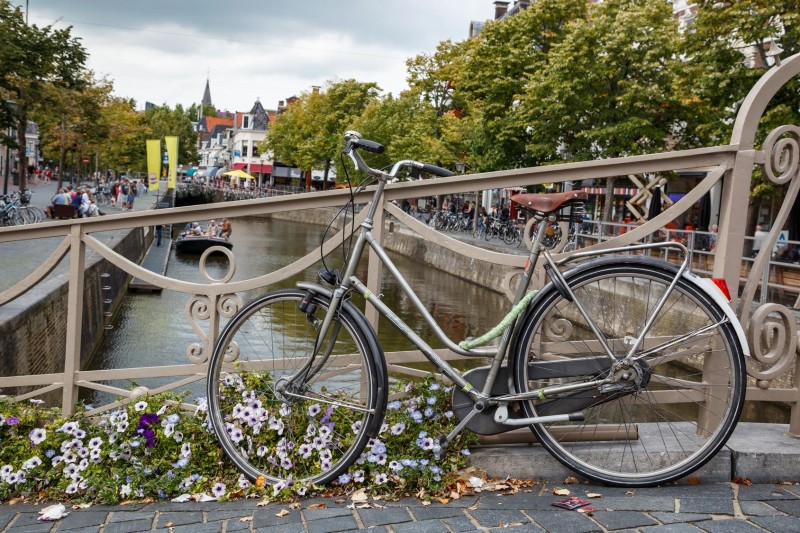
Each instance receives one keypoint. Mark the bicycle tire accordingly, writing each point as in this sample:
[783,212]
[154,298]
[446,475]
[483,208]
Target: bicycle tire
[269,339]
[671,440]
[14,218]
[28,216]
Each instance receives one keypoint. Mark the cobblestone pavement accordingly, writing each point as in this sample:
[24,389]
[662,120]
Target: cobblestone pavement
[723,507]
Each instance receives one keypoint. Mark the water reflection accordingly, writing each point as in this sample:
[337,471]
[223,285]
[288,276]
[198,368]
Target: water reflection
[151,329]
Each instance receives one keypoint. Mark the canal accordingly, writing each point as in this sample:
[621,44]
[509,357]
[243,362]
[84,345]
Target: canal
[151,329]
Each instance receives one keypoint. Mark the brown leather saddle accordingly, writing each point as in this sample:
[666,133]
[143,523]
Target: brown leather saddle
[550,202]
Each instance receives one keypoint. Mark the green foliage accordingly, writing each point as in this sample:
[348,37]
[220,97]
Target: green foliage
[164,121]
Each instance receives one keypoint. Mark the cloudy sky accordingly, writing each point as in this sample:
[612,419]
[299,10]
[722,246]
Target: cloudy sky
[162,51]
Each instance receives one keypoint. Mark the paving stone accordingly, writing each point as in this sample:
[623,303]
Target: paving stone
[429,513]
[729,526]
[764,493]
[235,524]
[791,507]
[173,507]
[634,504]
[785,524]
[672,518]
[498,518]
[135,515]
[179,519]
[82,519]
[424,526]
[459,523]
[193,528]
[41,527]
[707,505]
[533,528]
[623,519]
[225,514]
[320,514]
[713,490]
[528,502]
[30,522]
[129,526]
[6,516]
[266,517]
[286,528]
[379,517]
[671,528]
[758,509]
[566,521]
[792,489]
[338,523]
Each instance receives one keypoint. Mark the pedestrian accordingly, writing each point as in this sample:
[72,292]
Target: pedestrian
[712,240]
[59,198]
[131,196]
[122,198]
[758,239]
[159,233]
[226,229]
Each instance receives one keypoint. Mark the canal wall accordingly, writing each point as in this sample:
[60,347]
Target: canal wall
[33,327]
[399,239]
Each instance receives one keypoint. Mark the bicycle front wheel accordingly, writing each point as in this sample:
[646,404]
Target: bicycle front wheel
[312,430]
[665,415]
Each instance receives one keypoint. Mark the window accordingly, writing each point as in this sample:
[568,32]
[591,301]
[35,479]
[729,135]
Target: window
[244,149]
[246,122]
[256,153]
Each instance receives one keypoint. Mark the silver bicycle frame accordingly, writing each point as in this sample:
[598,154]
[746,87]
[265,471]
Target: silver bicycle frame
[350,282]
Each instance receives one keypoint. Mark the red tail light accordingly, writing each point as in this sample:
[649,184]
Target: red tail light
[723,286]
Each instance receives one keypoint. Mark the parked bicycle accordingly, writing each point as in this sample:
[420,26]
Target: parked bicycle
[628,369]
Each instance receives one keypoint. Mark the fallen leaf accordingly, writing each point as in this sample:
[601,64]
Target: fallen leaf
[263,503]
[593,495]
[15,501]
[586,510]
[443,500]
[561,492]
[693,480]
[246,519]
[454,495]
[261,481]
[472,507]
[786,483]
[282,513]
[630,493]
[317,506]
[182,498]
[82,506]
[426,503]
[360,495]
[295,505]
[170,524]
[571,481]
[475,482]
[743,481]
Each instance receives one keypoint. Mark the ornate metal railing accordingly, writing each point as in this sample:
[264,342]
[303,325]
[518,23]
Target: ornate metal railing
[772,328]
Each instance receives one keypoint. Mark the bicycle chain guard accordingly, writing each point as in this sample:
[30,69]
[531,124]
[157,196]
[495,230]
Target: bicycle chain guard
[483,423]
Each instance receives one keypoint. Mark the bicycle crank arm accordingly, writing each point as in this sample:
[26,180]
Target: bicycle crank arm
[501,417]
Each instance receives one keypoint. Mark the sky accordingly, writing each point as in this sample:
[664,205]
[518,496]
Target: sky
[163,51]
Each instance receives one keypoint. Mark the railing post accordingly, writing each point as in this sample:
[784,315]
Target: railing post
[72,356]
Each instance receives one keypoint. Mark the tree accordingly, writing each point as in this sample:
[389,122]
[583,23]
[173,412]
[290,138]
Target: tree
[32,60]
[608,89]
[309,133]
[493,73]
[164,121]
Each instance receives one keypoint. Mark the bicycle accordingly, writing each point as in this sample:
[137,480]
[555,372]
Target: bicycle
[628,369]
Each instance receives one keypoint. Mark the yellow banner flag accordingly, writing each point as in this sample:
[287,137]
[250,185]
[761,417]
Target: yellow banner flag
[153,163]
[172,155]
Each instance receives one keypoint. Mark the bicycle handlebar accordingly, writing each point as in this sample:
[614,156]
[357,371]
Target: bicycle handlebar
[353,140]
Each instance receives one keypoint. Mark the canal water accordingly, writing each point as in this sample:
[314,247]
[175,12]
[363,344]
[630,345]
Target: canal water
[151,329]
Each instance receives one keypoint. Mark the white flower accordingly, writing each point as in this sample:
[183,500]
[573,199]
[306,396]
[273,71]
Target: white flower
[243,482]
[178,436]
[5,471]
[218,490]
[261,451]
[95,443]
[236,435]
[398,428]
[314,409]
[125,490]
[381,478]
[358,476]
[79,433]
[33,462]
[285,410]
[162,410]
[72,488]
[186,449]
[139,407]
[70,470]
[169,429]
[20,477]
[37,436]
[34,401]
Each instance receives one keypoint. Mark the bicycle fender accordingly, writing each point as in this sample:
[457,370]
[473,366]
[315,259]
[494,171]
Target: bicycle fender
[381,374]
[699,282]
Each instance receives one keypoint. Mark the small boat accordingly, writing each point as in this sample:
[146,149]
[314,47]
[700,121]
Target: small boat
[197,244]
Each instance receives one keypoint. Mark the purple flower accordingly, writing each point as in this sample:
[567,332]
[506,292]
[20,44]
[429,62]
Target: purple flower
[12,420]
[344,479]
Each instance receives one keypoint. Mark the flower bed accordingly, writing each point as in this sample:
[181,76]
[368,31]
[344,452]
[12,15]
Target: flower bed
[152,450]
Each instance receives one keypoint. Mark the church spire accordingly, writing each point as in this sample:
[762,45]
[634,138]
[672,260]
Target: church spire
[206,101]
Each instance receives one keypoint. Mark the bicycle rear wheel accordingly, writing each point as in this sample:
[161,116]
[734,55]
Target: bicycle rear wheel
[310,433]
[667,414]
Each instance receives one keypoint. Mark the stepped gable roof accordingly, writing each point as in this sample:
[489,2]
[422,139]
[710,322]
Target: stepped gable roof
[260,118]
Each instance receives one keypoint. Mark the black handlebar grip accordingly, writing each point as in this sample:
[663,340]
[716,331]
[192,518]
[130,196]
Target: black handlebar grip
[369,146]
[436,171]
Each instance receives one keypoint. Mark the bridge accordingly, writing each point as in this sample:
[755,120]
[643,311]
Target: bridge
[773,373]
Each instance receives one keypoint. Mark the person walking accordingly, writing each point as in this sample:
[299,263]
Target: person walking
[159,233]
[758,239]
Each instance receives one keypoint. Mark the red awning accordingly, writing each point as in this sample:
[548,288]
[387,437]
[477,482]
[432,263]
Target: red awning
[261,168]
[239,166]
